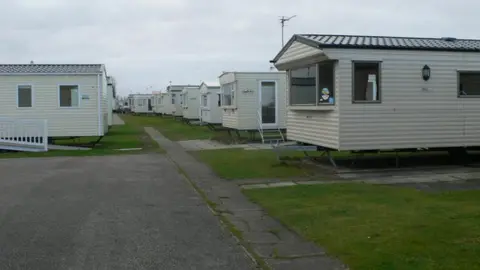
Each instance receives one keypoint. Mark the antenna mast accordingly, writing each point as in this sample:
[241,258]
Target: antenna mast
[284,19]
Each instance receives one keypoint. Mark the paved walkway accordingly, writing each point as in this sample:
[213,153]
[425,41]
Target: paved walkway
[117,121]
[112,212]
[280,250]
[198,145]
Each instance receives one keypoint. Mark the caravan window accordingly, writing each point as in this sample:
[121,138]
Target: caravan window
[469,83]
[366,82]
[24,96]
[219,102]
[69,95]
[312,85]
[227,94]
[173,98]
[204,101]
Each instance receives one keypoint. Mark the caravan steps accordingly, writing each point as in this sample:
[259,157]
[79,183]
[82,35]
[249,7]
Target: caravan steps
[271,135]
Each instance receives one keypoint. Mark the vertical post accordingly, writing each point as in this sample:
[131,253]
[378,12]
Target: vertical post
[45,135]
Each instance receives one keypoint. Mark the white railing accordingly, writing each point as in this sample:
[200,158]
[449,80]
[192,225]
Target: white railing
[22,133]
[260,125]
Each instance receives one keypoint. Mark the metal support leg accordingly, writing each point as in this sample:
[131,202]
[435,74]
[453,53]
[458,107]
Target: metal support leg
[331,159]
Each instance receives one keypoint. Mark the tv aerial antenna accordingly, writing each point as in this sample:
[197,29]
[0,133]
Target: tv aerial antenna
[283,20]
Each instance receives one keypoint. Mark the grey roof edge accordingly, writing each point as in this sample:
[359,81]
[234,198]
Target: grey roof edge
[308,40]
[296,37]
[101,69]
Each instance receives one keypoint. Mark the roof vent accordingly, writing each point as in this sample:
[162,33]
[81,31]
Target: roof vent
[31,62]
[451,39]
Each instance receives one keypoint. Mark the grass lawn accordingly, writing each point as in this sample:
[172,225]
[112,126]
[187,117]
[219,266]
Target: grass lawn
[244,164]
[382,227]
[126,136]
[173,130]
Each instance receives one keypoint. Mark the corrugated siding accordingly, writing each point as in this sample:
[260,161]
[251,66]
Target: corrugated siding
[298,52]
[81,121]
[229,115]
[212,113]
[413,113]
[248,102]
[315,127]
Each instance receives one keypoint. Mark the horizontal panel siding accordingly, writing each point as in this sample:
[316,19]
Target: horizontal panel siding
[248,103]
[296,52]
[229,118]
[314,127]
[81,121]
[413,113]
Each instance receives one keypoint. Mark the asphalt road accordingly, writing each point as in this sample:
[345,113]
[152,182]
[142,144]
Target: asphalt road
[114,212]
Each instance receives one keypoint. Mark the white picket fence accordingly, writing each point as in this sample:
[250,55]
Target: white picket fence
[23,134]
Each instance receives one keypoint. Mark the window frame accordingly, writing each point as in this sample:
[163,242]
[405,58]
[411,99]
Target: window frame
[379,82]
[78,93]
[173,97]
[204,98]
[232,85]
[32,95]
[317,86]
[460,72]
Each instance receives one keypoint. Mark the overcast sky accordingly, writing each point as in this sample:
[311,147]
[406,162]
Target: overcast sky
[151,42]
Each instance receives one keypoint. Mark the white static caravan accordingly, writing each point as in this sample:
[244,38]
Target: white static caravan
[210,103]
[175,92]
[381,93]
[56,100]
[254,101]
[156,103]
[142,103]
[166,106]
[191,103]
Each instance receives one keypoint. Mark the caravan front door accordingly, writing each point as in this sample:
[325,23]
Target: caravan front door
[268,99]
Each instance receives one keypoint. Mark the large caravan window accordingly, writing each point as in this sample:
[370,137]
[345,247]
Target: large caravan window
[366,82]
[24,96]
[227,90]
[312,85]
[469,84]
[69,95]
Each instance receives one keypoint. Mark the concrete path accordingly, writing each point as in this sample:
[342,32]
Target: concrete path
[112,212]
[117,121]
[198,145]
[267,240]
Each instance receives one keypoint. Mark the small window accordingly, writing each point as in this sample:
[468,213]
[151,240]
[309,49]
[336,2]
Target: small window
[69,96]
[469,83]
[181,99]
[219,102]
[227,90]
[303,86]
[173,98]
[366,82]
[204,101]
[25,96]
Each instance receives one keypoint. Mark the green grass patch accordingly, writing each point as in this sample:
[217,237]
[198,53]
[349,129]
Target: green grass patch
[244,164]
[173,130]
[382,227]
[118,137]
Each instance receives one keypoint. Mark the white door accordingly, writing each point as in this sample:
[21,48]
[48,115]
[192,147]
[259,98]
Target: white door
[268,108]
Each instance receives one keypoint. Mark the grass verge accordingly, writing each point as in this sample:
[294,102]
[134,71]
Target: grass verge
[382,227]
[245,164]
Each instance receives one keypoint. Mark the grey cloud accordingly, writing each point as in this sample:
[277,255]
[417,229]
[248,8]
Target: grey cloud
[152,42]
